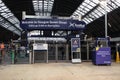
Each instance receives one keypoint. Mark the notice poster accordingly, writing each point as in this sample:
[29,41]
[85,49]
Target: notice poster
[103,55]
[40,46]
[75,44]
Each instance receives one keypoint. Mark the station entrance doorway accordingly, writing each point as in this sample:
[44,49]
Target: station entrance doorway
[53,27]
[58,52]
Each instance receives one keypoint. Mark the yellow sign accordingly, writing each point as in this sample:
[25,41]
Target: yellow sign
[78,50]
[97,48]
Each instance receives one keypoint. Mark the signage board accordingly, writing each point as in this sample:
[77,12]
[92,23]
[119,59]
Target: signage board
[76,60]
[103,55]
[52,24]
[40,46]
[75,44]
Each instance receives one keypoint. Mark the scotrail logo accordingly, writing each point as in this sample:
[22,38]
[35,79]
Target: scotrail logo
[74,25]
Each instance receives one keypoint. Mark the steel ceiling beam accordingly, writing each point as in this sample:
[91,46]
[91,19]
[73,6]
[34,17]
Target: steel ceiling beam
[90,11]
[10,23]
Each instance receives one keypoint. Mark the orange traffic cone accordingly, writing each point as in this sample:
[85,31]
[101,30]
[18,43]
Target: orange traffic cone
[117,57]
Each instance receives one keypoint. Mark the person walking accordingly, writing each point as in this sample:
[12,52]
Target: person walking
[2,46]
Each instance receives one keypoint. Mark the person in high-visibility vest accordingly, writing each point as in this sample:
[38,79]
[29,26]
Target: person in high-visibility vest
[2,47]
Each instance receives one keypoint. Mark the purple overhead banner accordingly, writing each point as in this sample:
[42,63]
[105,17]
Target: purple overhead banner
[52,24]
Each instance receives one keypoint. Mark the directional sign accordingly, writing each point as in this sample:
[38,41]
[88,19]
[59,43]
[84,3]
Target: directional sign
[52,24]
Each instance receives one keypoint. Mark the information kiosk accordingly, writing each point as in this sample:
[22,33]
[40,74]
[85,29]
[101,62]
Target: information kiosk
[102,52]
[75,50]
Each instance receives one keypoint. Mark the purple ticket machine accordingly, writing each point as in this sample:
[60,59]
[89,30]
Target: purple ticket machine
[102,52]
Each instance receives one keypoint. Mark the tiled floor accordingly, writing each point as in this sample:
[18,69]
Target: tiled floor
[60,71]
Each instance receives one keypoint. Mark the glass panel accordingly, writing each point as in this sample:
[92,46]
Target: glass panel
[95,15]
[99,13]
[6,13]
[47,6]
[11,28]
[117,2]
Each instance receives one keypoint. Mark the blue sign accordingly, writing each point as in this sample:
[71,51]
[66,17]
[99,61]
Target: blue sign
[75,44]
[102,39]
[52,24]
[102,56]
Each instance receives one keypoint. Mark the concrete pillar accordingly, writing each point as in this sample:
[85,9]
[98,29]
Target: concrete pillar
[67,52]
[23,15]
[87,51]
[33,61]
[30,57]
[56,52]
[47,57]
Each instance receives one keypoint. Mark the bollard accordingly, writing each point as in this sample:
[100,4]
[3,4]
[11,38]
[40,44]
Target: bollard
[117,57]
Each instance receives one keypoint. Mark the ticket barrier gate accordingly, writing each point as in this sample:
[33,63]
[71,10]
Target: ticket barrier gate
[58,52]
